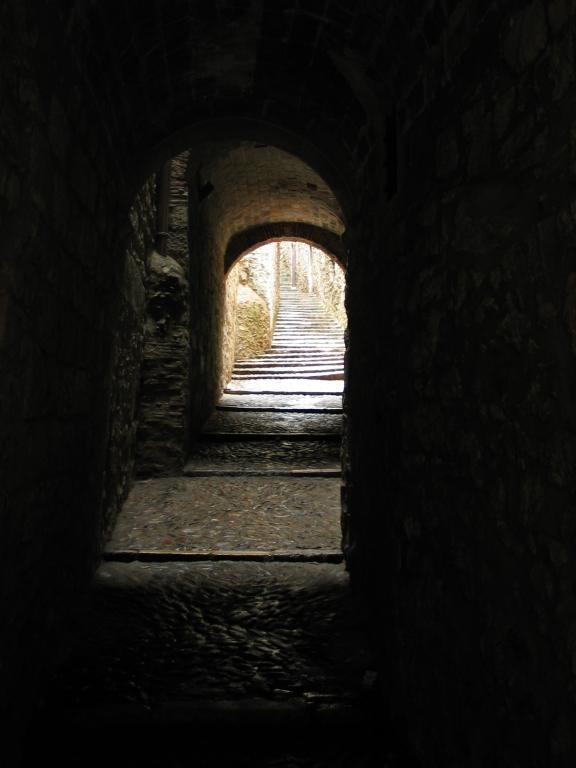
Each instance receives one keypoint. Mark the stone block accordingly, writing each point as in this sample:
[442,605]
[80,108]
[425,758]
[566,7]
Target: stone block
[527,36]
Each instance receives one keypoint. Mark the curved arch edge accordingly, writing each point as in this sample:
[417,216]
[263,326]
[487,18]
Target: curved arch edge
[248,239]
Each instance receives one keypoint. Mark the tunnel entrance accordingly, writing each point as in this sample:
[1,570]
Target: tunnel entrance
[284,321]
[237,455]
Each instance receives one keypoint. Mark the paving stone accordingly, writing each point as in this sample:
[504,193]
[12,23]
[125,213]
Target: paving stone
[279,453]
[285,386]
[296,402]
[223,663]
[230,513]
[174,632]
[267,422]
[274,455]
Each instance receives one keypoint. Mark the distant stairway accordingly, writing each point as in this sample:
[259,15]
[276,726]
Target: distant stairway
[307,346]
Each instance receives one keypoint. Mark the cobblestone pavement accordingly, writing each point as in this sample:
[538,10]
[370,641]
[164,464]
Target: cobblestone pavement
[266,454]
[159,633]
[207,663]
[230,513]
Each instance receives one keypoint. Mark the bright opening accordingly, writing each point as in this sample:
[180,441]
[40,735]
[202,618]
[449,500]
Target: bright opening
[285,321]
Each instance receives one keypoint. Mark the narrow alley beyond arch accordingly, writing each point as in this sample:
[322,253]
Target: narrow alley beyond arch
[250,644]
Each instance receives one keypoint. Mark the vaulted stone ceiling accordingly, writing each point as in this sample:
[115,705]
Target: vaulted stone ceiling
[255,191]
[316,69]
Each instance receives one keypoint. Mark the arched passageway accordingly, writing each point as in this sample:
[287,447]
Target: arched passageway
[444,130]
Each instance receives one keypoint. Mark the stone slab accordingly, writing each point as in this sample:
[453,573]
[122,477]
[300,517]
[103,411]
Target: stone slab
[230,513]
[278,401]
[286,386]
[278,454]
[268,422]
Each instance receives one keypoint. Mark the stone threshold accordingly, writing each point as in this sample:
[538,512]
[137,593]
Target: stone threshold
[249,436]
[187,556]
[276,409]
[265,472]
[315,709]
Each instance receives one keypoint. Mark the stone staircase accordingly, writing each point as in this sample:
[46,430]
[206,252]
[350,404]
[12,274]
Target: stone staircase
[307,347]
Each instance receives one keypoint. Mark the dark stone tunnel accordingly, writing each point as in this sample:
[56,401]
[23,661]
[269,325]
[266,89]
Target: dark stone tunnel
[430,147]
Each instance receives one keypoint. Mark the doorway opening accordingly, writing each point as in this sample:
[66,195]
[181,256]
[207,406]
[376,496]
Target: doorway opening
[284,321]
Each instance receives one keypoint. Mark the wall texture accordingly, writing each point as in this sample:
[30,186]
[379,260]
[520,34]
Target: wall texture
[127,355]
[64,285]
[164,396]
[252,301]
[444,128]
[318,273]
[462,393]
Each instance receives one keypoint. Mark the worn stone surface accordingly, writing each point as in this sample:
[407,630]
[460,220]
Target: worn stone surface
[273,422]
[253,332]
[226,630]
[265,454]
[164,399]
[231,646]
[284,386]
[230,513]
[295,402]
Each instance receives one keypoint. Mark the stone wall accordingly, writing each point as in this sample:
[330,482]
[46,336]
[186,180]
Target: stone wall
[230,321]
[260,269]
[252,302]
[127,354]
[207,310]
[66,410]
[321,275]
[462,392]
[164,396]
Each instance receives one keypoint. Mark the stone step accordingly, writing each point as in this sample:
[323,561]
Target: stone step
[291,357]
[196,514]
[290,375]
[308,353]
[216,555]
[284,387]
[311,372]
[272,422]
[278,402]
[191,471]
[286,362]
[307,335]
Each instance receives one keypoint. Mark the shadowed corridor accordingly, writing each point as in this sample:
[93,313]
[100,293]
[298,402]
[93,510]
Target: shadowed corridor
[428,147]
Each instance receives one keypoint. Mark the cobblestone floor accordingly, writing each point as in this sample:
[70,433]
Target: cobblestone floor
[268,454]
[215,664]
[230,513]
[169,632]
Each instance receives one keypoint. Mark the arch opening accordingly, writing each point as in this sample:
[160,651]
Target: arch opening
[285,318]
[221,198]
